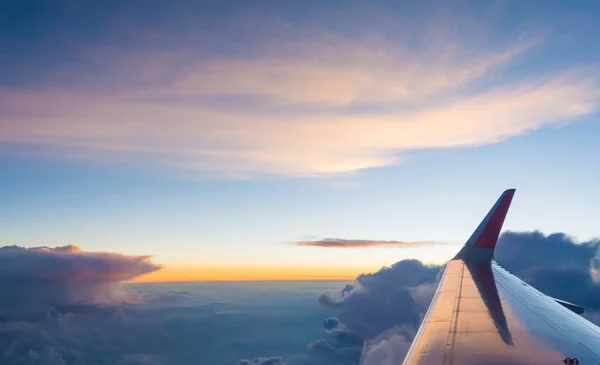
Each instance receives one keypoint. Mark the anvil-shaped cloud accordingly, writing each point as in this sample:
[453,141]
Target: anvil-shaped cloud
[31,276]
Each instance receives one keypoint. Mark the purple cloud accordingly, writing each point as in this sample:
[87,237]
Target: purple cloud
[65,274]
[350,243]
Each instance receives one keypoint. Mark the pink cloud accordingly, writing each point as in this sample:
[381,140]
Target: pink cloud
[66,274]
[297,120]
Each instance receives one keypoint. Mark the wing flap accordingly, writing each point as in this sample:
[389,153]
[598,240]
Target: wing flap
[570,306]
[490,317]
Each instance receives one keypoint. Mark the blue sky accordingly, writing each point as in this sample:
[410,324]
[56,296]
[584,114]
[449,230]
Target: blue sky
[216,134]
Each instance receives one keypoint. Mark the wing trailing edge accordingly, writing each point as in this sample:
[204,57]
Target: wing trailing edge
[480,246]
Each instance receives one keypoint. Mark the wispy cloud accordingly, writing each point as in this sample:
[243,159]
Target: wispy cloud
[301,107]
[339,71]
[346,243]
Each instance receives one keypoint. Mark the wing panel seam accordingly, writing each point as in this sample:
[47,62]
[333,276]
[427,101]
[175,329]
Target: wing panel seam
[449,350]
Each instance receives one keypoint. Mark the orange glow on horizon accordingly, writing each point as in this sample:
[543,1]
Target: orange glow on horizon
[249,273]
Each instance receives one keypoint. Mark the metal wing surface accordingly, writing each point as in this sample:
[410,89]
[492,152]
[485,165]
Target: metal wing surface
[482,314]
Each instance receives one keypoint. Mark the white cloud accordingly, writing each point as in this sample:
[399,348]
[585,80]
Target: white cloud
[389,348]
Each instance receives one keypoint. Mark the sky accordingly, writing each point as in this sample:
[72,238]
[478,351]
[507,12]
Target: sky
[216,136]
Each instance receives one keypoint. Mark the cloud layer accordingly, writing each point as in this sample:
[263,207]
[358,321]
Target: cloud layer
[176,323]
[309,104]
[346,243]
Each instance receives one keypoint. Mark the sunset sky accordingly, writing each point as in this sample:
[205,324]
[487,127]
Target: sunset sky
[294,140]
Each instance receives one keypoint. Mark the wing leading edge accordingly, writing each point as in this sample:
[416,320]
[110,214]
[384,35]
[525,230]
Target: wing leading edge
[481,314]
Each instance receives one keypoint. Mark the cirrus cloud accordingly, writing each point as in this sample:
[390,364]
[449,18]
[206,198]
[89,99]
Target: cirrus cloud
[291,107]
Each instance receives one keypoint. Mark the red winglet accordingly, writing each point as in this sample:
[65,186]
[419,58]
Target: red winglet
[486,234]
[488,237]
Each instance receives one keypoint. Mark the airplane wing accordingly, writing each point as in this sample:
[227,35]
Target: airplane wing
[482,315]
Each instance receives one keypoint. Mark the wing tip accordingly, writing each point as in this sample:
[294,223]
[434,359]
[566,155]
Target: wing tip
[486,235]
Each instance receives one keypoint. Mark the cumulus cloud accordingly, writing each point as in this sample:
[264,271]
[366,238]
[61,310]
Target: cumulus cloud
[389,347]
[331,323]
[347,243]
[371,307]
[137,359]
[376,317]
[64,274]
[380,313]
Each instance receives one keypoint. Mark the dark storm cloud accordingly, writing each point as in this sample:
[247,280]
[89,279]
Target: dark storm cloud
[348,243]
[526,251]
[556,265]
